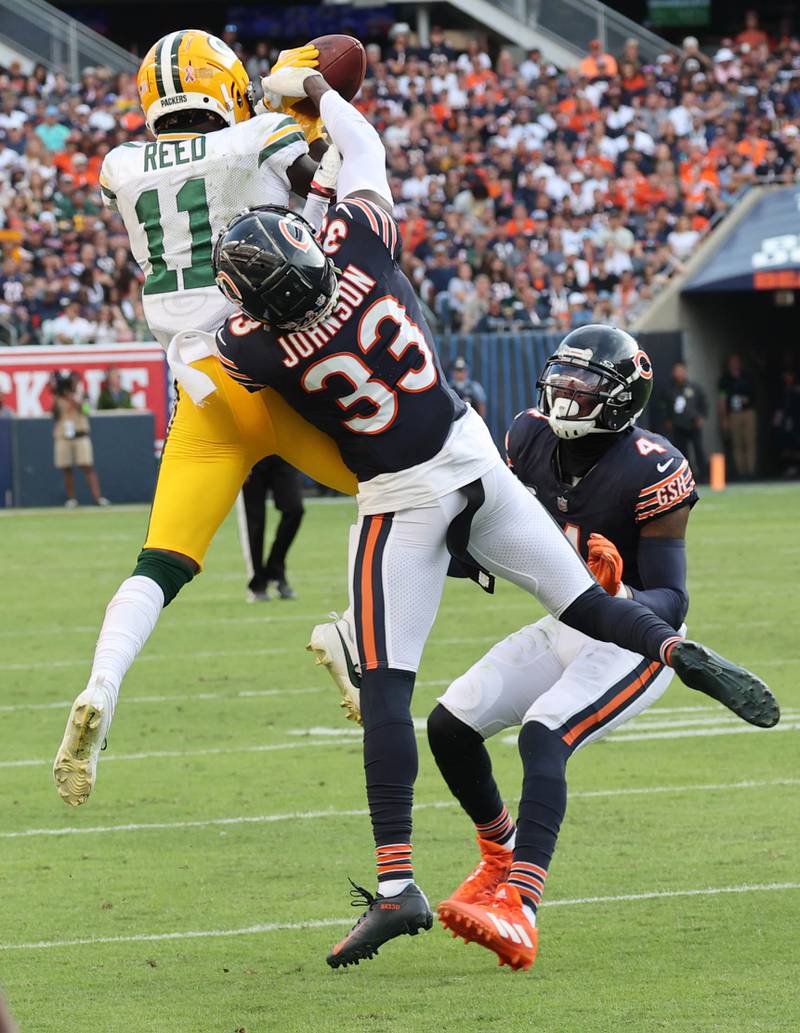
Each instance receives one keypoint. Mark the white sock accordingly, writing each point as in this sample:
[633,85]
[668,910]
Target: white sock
[130,618]
[511,842]
[392,887]
[529,913]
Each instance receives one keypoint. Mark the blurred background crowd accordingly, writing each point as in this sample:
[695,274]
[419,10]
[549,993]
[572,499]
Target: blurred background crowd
[528,196]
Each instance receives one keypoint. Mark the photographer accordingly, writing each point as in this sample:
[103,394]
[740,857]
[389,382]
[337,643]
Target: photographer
[72,445]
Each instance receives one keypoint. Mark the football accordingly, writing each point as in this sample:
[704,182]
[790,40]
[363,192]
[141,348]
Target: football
[343,62]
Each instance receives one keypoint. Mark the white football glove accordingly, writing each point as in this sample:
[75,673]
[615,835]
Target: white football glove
[286,82]
[327,174]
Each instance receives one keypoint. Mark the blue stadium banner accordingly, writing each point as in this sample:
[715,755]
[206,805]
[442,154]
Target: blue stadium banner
[761,253]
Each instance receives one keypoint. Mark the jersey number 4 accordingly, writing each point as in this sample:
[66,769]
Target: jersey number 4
[382,398]
[191,198]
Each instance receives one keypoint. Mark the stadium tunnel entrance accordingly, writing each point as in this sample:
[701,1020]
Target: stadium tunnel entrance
[740,295]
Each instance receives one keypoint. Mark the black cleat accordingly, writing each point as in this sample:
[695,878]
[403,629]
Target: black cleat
[385,918]
[285,590]
[736,688]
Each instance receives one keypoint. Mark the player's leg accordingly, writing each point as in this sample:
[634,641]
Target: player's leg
[251,511]
[398,568]
[494,694]
[287,493]
[207,455]
[514,537]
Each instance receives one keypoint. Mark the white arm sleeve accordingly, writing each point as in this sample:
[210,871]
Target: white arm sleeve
[363,155]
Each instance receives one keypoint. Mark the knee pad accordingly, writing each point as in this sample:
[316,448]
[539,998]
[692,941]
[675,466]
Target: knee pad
[542,750]
[168,572]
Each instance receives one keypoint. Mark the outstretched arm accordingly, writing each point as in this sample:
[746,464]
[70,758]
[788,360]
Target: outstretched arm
[363,172]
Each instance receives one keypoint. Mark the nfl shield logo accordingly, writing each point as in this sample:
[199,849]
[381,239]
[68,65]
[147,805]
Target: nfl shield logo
[561,502]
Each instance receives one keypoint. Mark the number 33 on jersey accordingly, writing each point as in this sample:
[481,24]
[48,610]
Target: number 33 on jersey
[368,375]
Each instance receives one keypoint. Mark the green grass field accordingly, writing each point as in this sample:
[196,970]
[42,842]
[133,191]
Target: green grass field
[200,888]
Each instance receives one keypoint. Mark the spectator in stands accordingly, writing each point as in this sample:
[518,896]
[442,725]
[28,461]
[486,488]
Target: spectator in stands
[113,395]
[467,388]
[69,328]
[72,443]
[596,64]
[686,411]
[737,416]
[752,35]
[52,132]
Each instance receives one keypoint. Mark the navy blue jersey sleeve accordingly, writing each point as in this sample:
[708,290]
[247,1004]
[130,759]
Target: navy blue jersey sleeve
[665,478]
[363,218]
[521,441]
[239,354]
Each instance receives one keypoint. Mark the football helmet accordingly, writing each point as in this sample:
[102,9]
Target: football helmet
[597,381]
[192,70]
[268,262]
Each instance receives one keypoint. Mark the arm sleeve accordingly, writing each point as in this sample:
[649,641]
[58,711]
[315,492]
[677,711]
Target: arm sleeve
[662,568]
[280,144]
[362,151]
[107,192]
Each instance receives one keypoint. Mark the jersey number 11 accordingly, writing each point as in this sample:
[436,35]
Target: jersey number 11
[191,198]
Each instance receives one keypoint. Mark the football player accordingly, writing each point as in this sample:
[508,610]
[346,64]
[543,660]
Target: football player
[209,159]
[622,496]
[335,327]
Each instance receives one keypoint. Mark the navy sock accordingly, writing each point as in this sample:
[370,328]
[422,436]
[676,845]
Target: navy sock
[541,808]
[390,766]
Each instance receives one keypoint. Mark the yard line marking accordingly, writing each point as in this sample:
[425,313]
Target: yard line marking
[214,653]
[200,697]
[213,751]
[706,721]
[324,923]
[262,819]
[685,733]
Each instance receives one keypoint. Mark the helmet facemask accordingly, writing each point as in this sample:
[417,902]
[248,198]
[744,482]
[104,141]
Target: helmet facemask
[582,399]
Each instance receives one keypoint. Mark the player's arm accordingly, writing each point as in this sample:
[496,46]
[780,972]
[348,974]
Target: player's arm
[363,172]
[661,559]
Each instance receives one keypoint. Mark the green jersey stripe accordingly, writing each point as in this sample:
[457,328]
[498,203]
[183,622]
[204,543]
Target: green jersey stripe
[285,141]
[108,193]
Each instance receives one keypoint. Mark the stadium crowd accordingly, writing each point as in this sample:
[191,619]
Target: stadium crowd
[528,196]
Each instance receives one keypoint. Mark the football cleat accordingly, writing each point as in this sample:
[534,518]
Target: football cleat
[284,589]
[75,766]
[497,922]
[736,688]
[257,595]
[493,869]
[385,918]
[334,649]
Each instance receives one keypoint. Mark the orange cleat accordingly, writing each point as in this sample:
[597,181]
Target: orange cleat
[496,922]
[493,869]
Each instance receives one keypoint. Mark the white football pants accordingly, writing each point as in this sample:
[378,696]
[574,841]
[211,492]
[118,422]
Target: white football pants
[398,564]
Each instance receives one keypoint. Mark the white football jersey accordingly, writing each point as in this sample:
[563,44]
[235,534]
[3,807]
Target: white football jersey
[177,192]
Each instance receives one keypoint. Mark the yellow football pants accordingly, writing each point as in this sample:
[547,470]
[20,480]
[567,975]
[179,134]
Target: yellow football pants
[210,450]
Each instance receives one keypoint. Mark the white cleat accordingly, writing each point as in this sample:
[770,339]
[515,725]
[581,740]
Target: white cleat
[333,648]
[75,766]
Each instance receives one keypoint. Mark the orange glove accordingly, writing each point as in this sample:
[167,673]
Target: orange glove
[605,563]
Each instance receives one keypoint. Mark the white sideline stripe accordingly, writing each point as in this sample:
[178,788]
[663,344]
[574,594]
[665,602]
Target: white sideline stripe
[260,819]
[324,923]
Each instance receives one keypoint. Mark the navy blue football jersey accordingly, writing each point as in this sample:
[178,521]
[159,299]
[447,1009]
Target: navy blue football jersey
[368,375]
[641,477]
